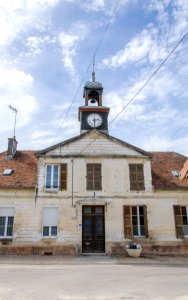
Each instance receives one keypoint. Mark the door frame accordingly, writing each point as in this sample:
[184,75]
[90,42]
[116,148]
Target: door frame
[93,215]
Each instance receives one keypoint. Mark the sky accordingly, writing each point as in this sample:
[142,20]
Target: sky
[46,52]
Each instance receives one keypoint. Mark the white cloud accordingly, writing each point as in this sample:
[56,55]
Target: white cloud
[135,51]
[70,43]
[15,89]
[36,44]
[17,16]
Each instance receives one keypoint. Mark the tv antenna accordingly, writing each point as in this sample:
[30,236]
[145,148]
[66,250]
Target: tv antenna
[15,111]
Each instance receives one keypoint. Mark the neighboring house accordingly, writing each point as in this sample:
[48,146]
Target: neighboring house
[93,193]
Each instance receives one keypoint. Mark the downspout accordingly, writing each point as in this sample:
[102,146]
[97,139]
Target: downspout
[72,161]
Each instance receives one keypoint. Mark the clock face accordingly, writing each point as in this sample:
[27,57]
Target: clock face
[94,120]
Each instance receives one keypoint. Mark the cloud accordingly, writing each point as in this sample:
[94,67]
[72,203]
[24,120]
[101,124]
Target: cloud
[36,44]
[15,89]
[18,16]
[135,51]
[70,43]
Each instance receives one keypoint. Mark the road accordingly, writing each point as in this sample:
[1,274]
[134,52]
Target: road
[93,282]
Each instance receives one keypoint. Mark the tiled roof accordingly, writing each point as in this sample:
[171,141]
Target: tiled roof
[162,163]
[24,167]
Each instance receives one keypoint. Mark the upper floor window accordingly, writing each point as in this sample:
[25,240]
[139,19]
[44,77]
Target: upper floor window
[56,176]
[6,222]
[135,221]
[136,174]
[181,220]
[93,177]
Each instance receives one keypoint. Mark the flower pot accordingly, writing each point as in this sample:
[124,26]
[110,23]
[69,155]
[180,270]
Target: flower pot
[134,252]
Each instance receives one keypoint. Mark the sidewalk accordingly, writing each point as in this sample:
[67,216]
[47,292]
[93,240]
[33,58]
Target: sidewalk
[93,260]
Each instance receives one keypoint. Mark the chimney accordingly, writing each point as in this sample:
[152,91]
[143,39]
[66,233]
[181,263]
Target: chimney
[12,147]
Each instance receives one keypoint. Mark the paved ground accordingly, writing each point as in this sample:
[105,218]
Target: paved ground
[93,278]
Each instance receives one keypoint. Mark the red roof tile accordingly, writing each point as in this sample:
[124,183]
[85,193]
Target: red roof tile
[24,165]
[162,163]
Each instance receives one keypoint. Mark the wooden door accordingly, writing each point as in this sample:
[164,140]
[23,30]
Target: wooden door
[93,232]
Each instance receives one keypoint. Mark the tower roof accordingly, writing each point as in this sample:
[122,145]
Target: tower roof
[93,85]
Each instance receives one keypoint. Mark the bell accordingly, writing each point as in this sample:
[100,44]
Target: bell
[92,101]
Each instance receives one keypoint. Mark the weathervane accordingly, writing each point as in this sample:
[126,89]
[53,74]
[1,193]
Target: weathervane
[93,73]
[15,111]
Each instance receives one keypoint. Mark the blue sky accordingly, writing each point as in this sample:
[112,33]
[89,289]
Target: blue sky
[46,47]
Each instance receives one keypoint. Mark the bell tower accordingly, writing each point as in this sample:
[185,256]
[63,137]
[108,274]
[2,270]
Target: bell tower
[93,114]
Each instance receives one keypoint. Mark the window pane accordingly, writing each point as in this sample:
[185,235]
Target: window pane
[10,226]
[142,230]
[87,210]
[134,220]
[45,231]
[2,221]
[99,210]
[142,220]
[135,230]
[55,177]
[48,176]
[134,210]
[185,229]
[2,225]
[53,230]
[10,221]
[141,210]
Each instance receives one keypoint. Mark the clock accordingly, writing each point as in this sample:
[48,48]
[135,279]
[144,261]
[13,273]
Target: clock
[94,120]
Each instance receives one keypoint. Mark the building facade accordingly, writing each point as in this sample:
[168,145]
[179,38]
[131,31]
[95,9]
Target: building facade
[92,193]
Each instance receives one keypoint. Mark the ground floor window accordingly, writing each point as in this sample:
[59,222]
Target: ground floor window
[135,221]
[181,220]
[50,219]
[6,222]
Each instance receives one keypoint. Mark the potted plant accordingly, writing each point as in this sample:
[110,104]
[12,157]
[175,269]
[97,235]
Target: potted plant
[133,249]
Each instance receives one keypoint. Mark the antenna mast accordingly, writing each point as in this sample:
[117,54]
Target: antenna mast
[15,111]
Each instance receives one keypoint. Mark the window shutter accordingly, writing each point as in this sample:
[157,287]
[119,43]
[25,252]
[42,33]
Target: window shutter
[94,177]
[178,221]
[128,232]
[145,222]
[90,178]
[50,216]
[63,177]
[97,177]
[136,175]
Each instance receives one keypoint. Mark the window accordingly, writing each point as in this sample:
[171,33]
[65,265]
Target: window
[7,172]
[94,178]
[56,176]
[181,220]
[136,174]
[50,216]
[6,222]
[135,221]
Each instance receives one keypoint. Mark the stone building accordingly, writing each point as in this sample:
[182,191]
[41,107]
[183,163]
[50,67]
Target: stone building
[92,193]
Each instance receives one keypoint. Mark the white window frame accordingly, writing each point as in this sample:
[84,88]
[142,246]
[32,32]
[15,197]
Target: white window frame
[138,220]
[6,212]
[48,223]
[52,177]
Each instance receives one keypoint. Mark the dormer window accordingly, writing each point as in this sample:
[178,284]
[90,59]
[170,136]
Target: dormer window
[175,173]
[7,172]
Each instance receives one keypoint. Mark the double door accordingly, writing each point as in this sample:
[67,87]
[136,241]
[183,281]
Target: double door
[93,231]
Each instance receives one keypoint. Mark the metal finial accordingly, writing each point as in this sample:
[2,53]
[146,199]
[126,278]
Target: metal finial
[93,73]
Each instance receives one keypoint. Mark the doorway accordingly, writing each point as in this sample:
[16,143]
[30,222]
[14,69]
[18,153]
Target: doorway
[93,231]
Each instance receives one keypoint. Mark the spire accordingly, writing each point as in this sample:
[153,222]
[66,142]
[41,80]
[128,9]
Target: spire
[93,73]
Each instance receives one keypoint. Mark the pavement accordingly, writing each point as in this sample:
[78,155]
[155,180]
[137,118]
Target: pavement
[93,260]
